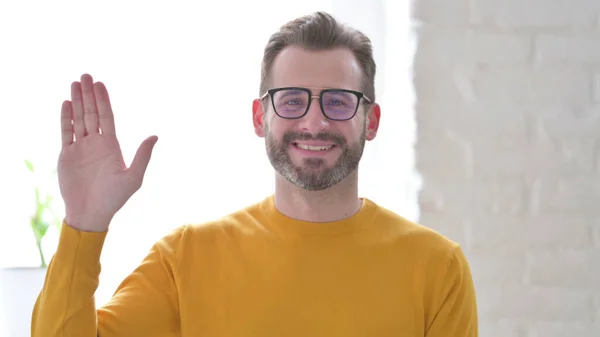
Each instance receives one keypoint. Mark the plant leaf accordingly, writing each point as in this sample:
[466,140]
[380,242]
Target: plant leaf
[29,165]
[43,228]
[40,227]
[37,196]
[36,230]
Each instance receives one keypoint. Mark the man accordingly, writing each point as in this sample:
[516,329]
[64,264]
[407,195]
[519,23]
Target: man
[314,259]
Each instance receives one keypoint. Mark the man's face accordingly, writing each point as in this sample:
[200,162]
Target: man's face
[314,152]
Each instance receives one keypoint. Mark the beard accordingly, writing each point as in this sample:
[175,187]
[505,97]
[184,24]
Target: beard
[313,173]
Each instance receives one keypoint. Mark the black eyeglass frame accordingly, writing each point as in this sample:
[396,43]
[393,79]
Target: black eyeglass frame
[359,95]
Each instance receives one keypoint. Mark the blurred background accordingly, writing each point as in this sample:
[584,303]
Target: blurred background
[490,135]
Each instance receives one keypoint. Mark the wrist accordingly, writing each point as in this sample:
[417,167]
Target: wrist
[88,223]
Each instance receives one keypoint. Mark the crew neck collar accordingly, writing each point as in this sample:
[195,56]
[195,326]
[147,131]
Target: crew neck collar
[288,226]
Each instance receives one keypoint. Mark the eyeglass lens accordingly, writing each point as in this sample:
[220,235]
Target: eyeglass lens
[293,103]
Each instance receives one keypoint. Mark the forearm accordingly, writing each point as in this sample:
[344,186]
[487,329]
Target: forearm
[65,306]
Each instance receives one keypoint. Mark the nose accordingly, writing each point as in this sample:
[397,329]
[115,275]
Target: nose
[314,121]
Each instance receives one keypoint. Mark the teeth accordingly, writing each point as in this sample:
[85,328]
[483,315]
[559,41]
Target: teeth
[314,148]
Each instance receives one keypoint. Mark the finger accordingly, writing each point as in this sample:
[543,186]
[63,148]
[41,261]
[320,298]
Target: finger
[90,111]
[77,109]
[105,113]
[66,123]
[142,158]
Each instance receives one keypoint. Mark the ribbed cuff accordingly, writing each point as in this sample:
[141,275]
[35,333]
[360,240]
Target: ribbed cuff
[85,246]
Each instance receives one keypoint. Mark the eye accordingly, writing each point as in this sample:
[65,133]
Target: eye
[293,102]
[336,102]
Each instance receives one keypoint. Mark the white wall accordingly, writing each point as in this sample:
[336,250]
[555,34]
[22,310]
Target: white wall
[508,115]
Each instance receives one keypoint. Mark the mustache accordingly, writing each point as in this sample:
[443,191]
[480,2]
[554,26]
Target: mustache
[290,137]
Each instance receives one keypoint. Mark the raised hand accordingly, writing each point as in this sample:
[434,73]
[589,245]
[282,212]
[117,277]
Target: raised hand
[93,177]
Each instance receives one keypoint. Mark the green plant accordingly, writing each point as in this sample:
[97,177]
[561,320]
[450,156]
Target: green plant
[43,217]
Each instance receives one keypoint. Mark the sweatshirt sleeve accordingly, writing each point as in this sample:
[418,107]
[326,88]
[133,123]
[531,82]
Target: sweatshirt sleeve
[145,303]
[454,295]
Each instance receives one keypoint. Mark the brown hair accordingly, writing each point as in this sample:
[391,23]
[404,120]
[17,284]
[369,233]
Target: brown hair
[321,31]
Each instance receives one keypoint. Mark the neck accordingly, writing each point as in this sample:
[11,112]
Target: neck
[332,204]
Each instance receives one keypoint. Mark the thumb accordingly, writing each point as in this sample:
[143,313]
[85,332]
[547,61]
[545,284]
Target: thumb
[142,158]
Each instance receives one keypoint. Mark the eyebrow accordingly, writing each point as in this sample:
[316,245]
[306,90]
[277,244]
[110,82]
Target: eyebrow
[292,92]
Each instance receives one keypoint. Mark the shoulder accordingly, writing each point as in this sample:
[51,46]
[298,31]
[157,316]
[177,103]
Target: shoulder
[242,221]
[439,259]
[412,235]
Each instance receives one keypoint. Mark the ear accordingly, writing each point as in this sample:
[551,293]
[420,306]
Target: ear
[372,121]
[258,115]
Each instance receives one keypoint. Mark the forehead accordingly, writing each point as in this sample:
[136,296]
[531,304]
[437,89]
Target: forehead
[333,68]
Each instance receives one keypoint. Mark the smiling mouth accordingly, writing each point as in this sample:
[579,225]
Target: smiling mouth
[313,147]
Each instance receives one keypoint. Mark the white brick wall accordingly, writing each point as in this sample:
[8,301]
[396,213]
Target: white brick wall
[508,145]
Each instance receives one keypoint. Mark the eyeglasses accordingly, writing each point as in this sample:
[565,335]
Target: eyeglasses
[336,104]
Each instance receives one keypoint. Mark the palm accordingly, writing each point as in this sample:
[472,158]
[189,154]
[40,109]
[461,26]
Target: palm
[92,165]
[93,178]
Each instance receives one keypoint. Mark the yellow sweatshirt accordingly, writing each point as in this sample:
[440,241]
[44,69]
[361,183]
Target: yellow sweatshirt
[259,273]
